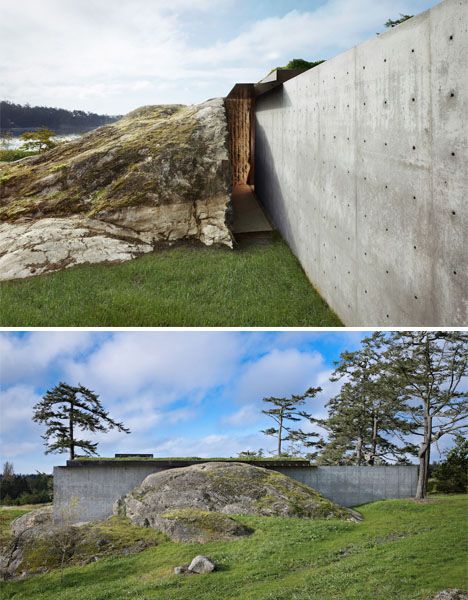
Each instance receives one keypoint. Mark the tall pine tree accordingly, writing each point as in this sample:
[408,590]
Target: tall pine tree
[366,421]
[285,412]
[65,409]
[428,370]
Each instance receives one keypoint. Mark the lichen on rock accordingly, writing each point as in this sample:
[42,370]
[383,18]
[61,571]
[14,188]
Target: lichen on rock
[160,174]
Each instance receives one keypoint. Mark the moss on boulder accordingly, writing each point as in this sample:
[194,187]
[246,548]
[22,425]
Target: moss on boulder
[159,174]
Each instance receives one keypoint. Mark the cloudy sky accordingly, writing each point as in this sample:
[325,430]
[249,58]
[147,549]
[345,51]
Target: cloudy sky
[111,57]
[181,393]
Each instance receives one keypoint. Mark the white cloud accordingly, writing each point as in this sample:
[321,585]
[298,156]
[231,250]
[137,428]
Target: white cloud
[112,57]
[28,356]
[163,365]
[279,373]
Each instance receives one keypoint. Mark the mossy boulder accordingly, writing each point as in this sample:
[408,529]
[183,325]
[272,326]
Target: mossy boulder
[195,525]
[160,174]
[222,488]
[37,544]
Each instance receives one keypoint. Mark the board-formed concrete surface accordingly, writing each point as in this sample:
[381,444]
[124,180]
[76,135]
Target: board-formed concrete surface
[361,163]
[87,493]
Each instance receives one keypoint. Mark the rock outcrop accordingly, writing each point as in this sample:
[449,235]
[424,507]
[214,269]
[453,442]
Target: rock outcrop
[160,174]
[166,500]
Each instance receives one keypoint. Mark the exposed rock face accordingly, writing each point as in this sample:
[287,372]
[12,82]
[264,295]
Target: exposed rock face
[160,174]
[194,525]
[227,488]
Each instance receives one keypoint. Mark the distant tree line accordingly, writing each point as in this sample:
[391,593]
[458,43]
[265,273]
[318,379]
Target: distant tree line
[24,489]
[18,116]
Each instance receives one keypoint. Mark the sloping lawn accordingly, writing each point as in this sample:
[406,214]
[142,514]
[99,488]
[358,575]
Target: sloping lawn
[257,285]
[402,550]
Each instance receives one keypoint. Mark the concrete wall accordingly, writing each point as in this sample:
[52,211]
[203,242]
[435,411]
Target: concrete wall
[361,163]
[96,488]
[351,486]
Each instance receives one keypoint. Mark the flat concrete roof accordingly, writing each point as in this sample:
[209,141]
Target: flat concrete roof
[170,463]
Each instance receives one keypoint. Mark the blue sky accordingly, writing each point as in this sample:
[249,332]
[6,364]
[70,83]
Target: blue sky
[187,393]
[112,57]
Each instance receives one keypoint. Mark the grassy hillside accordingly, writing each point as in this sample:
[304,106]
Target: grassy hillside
[257,285]
[402,550]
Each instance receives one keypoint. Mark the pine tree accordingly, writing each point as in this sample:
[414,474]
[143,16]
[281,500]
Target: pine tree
[427,370]
[66,409]
[284,413]
[366,421]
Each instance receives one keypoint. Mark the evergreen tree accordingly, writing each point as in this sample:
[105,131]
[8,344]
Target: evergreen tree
[390,23]
[285,412]
[66,409]
[427,370]
[451,475]
[366,421]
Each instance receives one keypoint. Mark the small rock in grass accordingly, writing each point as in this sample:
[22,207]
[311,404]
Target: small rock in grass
[202,564]
[180,570]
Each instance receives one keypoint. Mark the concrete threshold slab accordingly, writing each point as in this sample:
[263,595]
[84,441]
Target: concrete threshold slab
[248,214]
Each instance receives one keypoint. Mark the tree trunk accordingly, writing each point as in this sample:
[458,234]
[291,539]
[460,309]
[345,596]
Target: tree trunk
[424,459]
[70,426]
[374,440]
[359,450]
[280,434]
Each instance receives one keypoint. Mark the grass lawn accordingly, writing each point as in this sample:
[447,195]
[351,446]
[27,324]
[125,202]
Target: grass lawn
[402,550]
[256,285]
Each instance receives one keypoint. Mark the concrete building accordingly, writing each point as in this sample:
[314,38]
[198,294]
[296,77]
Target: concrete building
[92,486]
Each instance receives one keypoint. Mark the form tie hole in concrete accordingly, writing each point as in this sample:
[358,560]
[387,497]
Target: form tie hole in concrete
[364,103]
[454,272]
[363,67]
[349,273]
[386,229]
[414,147]
[415,297]
[453,153]
[412,50]
[386,272]
[365,291]
[414,247]
[388,316]
[386,144]
[413,99]
[385,60]
[451,37]
[386,187]
[364,141]
[452,94]
[414,197]
[453,212]
[385,102]
[365,253]
[365,178]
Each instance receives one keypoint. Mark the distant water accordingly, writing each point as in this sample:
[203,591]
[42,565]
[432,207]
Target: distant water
[17,142]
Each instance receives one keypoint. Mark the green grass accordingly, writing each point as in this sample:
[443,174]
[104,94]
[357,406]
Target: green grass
[402,550]
[256,285]
[15,154]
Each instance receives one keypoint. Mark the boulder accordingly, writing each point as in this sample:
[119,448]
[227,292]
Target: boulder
[224,488]
[40,518]
[194,525]
[160,174]
[201,564]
